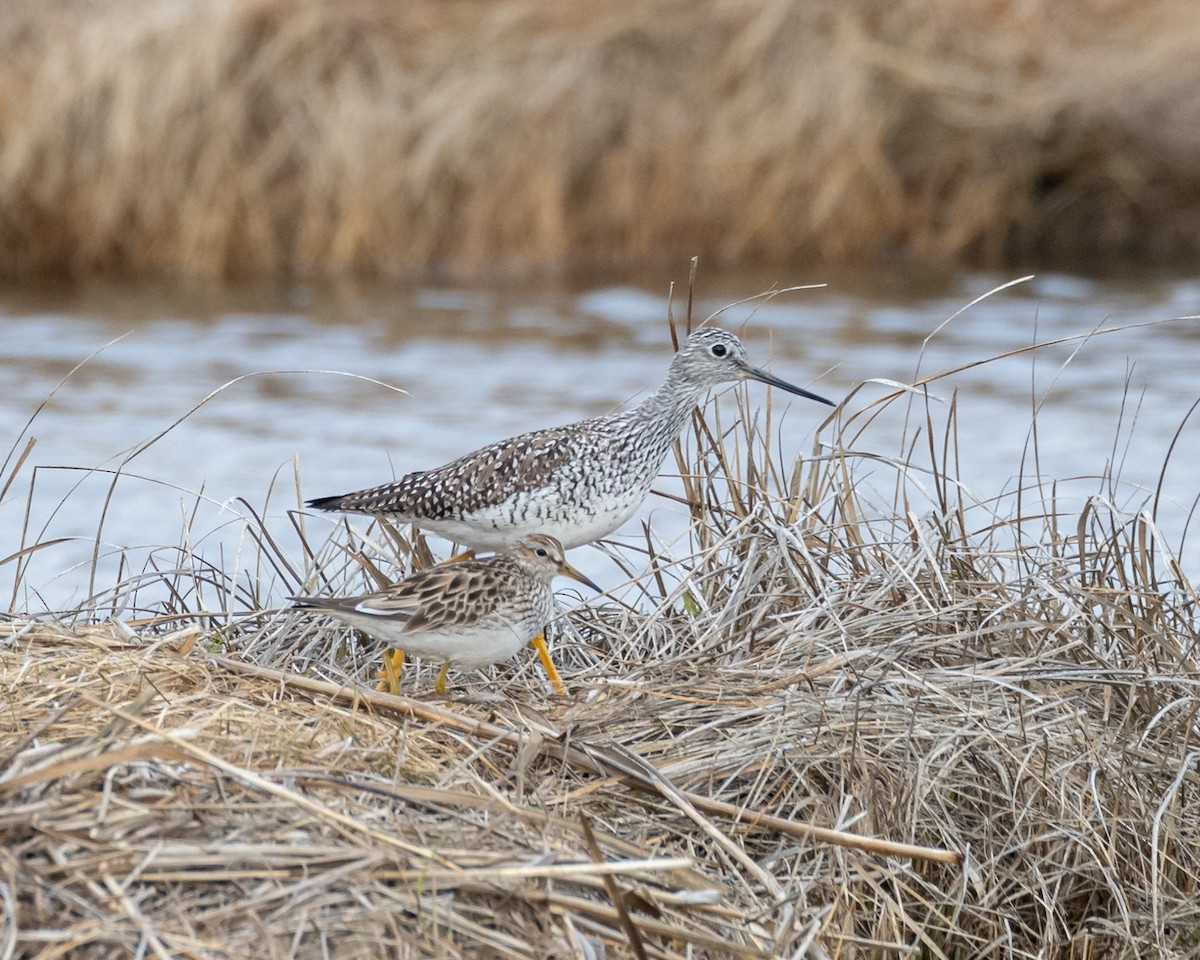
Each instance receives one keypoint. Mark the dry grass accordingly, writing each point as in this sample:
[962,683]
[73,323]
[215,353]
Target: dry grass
[1003,682]
[294,137]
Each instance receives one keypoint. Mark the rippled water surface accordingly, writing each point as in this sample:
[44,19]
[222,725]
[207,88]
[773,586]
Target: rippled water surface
[477,364]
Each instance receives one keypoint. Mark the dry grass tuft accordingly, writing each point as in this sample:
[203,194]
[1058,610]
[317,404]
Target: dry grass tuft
[1000,682]
[291,137]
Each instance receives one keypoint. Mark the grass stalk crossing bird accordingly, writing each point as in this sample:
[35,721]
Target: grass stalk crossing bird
[467,614]
[577,482]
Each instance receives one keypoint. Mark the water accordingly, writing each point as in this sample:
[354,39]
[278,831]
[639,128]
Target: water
[478,364]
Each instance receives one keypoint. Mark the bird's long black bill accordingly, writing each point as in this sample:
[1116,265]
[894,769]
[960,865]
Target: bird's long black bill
[764,377]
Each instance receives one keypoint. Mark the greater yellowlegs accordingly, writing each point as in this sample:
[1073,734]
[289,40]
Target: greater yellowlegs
[578,482]
[466,614]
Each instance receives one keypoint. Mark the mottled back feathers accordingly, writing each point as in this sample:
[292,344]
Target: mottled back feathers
[484,478]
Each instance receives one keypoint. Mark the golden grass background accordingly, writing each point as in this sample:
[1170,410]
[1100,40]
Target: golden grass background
[237,138]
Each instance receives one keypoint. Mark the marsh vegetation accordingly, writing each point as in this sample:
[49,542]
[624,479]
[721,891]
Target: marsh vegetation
[841,649]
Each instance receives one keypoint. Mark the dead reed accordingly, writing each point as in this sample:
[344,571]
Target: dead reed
[843,650]
[235,138]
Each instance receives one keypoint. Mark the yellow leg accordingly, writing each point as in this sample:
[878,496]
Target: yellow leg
[393,663]
[539,644]
[440,686]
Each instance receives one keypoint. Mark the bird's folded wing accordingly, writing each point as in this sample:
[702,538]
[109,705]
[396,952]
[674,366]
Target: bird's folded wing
[401,608]
[437,598]
[525,463]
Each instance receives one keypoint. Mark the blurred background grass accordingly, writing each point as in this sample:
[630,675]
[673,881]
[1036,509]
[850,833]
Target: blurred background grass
[296,138]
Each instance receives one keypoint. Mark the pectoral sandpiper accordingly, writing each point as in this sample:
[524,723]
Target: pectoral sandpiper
[466,614]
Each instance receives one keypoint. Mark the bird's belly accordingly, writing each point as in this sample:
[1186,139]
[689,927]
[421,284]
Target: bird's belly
[474,647]
[601,519]
[467,646]
[573,524]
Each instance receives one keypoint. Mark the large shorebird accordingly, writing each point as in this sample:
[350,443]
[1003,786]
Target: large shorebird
[578,482]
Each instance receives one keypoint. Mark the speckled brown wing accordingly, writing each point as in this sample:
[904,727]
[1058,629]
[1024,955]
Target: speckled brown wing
[458,595]
[455,595]
[486,478]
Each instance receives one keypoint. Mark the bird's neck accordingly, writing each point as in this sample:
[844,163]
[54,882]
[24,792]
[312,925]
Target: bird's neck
[670,405]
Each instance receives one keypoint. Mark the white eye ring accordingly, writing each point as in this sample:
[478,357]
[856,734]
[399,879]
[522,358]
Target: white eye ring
[541,551]
[718,350]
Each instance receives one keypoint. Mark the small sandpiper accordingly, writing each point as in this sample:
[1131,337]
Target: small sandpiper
[466,614]
[578,482]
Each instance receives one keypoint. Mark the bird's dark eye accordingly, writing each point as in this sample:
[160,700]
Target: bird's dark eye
[541,551]
[718,350]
